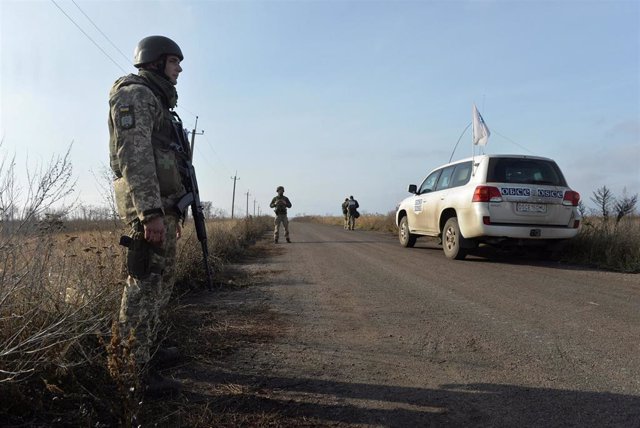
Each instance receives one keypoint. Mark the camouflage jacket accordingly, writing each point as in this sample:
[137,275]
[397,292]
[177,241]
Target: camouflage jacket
[345,207]
[147,180]
[280,203]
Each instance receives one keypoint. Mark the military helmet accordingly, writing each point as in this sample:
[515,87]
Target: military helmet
[280,188]
[151,48]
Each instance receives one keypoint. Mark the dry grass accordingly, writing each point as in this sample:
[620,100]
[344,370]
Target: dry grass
[59,293]
[379,222]
[607,245]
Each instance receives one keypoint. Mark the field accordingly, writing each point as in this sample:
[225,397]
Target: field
[61,360]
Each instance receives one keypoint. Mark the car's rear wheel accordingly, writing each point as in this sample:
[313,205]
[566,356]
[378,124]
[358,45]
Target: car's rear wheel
[407,239]
[453,241]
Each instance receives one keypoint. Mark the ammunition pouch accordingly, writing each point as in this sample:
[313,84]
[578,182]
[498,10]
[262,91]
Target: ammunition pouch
[143,258]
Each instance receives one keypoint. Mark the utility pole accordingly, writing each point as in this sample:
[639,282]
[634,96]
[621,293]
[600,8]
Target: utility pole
[247,203]
[233,198]
[254,207]
[193,137]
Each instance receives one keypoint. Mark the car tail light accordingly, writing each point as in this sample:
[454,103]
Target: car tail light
[487,194]
[571,198]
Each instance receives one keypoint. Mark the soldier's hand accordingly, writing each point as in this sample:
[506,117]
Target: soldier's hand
[154,231]
[178,230]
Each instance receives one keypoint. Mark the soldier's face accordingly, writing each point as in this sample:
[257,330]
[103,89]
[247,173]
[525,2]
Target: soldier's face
[172,70]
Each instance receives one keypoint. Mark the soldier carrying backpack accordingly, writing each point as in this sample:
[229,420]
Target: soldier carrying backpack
[353,214]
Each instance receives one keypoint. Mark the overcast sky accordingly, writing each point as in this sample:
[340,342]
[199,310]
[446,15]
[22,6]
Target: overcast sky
[335,98]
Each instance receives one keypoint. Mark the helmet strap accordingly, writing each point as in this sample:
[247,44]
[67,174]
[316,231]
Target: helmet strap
[159,66]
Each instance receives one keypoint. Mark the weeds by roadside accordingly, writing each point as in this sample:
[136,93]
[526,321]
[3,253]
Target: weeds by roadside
[379,222]
[607,245]
[60,361]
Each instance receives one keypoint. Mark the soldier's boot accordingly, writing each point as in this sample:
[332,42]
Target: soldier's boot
[275,240]
[159,386]
[288,240]
[166,357]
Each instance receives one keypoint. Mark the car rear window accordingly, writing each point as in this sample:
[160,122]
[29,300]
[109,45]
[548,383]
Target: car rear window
[525,171]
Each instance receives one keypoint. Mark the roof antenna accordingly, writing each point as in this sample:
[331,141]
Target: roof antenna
[459,138]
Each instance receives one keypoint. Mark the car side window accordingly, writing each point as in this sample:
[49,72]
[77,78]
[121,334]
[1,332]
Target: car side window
[429,184]
[445,178]
[461,175]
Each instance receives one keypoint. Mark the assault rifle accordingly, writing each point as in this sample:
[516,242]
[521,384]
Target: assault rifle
[192,198]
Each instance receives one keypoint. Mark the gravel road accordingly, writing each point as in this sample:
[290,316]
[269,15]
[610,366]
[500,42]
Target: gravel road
[379,335]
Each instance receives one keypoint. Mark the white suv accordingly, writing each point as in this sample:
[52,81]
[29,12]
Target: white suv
[494,199]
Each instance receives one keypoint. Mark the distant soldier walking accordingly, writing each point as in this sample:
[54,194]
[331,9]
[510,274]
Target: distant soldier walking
[147,187]
[280,203]
[345,212]
[353,214]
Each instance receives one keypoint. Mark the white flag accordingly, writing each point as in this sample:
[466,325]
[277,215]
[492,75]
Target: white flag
[480,131]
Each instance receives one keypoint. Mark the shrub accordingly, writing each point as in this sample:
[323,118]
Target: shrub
[607,246]
[59,295]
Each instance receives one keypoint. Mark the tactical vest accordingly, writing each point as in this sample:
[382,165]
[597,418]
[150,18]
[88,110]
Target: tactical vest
[280,209]
[169,180]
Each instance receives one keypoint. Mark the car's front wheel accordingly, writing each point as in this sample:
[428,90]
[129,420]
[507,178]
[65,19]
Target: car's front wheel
[407,239]
[453,241]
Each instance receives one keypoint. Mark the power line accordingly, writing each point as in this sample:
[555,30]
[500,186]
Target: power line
[101,32]
[220,159]
[88,37]
[181,107]
[108,39]
[512,142]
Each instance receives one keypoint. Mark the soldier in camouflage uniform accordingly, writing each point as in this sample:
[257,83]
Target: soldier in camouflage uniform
[352,209]
[280,203]
[147,186]
[345,212]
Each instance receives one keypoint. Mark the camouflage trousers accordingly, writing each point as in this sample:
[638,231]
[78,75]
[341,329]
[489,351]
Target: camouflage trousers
[146,295]
[280,218]
[346,220]
[351,221]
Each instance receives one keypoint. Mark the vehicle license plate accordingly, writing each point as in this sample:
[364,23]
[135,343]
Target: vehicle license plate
[531,208]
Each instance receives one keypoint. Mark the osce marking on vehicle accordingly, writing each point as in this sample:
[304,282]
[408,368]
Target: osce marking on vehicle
[558,194]
[417,207]
[515,191]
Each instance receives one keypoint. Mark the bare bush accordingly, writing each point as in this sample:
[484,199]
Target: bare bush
[625,205]
[48,301]
[603,198]
[61,278]
[104,180]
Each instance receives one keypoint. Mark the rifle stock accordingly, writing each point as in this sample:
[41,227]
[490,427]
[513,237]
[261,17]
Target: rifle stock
[192,197]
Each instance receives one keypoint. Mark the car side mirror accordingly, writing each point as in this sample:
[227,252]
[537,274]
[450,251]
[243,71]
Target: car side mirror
[412,188]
